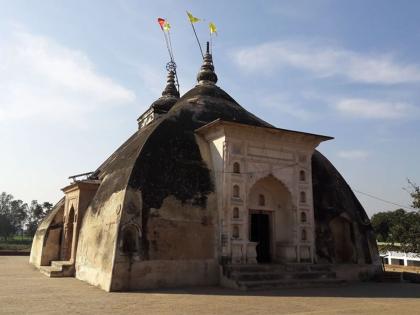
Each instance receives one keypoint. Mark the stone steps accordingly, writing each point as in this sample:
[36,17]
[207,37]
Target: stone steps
[391,276]
[275,276]
[256,276]
[287,284]
[58,269]
[278,267]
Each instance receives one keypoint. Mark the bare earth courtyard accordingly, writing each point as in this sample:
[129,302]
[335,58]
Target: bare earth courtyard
[24,290]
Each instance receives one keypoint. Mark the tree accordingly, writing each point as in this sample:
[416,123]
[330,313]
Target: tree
[414,191]
[19,211]
[398,226]
[47,206]
[13,213]
[7,227]
[36,213]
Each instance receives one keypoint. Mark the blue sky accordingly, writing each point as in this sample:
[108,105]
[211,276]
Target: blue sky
[75,75]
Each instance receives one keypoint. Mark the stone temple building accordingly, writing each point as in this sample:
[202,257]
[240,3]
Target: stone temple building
[206,193]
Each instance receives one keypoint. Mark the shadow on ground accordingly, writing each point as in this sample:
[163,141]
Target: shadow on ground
[351,290]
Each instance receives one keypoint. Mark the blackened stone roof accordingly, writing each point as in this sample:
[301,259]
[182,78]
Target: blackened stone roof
[163,159]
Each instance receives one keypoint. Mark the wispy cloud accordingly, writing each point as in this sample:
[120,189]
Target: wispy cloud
[42,79]
[372,109]
[326,61]
[281,102]
[353,154]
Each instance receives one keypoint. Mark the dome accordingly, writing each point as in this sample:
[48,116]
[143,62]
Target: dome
[163,159]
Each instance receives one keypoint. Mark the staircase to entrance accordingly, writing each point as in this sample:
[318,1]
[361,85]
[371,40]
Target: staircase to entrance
[276,276]
[58,269]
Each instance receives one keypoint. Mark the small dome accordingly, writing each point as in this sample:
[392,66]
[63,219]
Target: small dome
[163,104]
[170,95]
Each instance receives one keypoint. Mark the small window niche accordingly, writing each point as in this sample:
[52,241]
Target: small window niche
[303,218]
[236,191]
[235,232]
[303,197]
[261,200]
[304,235]
[302,176]
[235,213]
[129,243]
[236,168]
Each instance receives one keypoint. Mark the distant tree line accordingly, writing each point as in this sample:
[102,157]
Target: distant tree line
[19,218]
[400,226]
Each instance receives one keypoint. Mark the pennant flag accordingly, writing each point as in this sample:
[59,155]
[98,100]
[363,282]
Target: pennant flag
[192,18]
[167,26]
[161,22]
[213,29]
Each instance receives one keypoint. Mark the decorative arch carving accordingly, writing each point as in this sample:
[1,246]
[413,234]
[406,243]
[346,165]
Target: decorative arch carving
[236,168]
[252,180]
[129,243]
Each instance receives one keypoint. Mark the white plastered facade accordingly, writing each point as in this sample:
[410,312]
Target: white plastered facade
[265,171]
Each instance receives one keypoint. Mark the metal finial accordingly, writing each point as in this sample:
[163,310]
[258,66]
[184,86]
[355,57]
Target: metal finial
[207,74]
[171,68]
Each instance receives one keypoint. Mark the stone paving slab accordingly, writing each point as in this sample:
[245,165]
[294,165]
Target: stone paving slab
[24,290]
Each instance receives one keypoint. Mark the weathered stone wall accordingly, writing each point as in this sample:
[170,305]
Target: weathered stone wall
[181,250]
[45,244]
[99,231]
[334,200]
[97,237]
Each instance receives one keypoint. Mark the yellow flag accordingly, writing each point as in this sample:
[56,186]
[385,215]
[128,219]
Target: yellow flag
[212,28]
[167,26]
[192,18]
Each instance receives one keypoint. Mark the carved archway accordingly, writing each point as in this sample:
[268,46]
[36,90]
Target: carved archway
[277,210]
[130,239]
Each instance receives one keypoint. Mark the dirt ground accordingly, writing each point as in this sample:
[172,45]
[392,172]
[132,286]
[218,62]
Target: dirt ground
[24,290]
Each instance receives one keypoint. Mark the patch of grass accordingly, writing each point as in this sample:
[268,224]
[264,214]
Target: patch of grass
[17,242]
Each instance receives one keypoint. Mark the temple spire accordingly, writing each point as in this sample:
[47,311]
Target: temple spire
[163,104]
[207,74]
[170,89]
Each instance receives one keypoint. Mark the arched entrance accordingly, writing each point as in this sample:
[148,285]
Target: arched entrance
[69,230]
[270,218]
[342,233]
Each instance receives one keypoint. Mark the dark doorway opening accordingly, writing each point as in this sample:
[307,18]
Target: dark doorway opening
[260,233]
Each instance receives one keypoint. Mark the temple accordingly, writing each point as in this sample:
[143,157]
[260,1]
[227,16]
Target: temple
[206,193]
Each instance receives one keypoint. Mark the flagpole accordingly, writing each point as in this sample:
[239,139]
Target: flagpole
[199,45]
[170,66]
[170,45]
[173,60]
[167,45]
[195,33]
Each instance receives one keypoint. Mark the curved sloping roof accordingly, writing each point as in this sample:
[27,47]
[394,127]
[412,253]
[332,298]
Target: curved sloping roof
[332,195]
[163,159]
